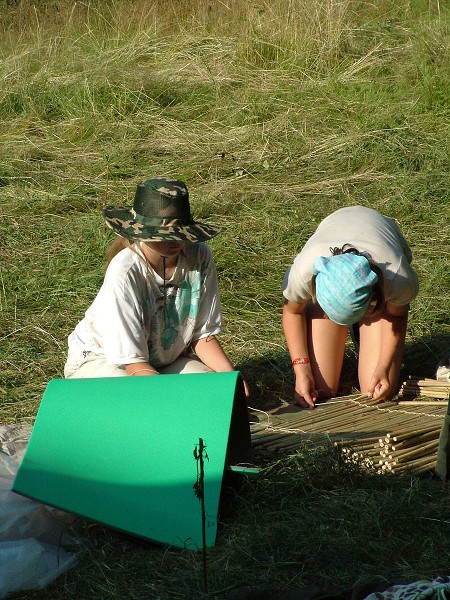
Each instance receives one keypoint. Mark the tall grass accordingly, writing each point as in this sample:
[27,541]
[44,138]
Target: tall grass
[274,113]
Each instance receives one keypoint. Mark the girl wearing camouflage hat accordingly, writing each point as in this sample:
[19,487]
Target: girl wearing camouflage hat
[353,272]
[159,299]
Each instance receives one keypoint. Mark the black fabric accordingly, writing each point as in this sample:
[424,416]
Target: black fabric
[312,592]
[443,456]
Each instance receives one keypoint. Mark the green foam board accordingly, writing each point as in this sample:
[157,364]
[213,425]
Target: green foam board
[120,451]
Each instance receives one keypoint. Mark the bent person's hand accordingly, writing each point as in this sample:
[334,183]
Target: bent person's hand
[305,393]
[379,387]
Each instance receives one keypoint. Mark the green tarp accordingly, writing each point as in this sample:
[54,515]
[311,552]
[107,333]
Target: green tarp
[122,451]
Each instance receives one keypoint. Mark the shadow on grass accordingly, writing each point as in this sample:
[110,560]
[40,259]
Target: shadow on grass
[271,378]
[422,355]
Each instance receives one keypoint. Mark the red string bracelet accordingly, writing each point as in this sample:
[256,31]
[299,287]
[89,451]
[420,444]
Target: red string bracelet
[300,361]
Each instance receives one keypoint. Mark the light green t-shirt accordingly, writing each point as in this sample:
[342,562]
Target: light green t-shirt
[368,231]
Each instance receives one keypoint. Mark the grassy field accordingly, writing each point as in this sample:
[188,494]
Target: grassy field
[275,113]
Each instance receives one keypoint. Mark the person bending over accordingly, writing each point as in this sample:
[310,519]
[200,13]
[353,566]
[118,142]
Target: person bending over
[355,272]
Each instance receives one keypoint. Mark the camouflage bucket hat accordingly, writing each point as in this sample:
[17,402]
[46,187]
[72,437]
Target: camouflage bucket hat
[160,213]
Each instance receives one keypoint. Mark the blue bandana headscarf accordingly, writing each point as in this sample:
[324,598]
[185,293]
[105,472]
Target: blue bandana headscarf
[344,286]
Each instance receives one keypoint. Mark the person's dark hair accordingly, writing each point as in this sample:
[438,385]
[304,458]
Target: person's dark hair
[378,300]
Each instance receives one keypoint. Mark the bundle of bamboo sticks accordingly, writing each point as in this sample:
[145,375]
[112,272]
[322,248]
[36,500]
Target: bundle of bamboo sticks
[385,438]
[420,390]
[396,452]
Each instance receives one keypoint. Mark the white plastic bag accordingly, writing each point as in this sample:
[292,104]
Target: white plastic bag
[31,534]
[27,564]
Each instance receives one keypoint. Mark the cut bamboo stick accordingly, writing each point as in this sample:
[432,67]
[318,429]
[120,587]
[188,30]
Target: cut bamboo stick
[430,388]
[422,402]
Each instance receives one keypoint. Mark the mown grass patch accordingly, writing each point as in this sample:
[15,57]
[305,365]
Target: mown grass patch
[275,114]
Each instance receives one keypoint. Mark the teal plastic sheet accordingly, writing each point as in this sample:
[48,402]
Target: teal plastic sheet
[125,451]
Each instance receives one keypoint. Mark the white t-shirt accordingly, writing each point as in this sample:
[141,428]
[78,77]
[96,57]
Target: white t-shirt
[368,231]
[129,321]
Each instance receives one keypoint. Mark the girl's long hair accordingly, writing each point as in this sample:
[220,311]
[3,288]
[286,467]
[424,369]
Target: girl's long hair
[116,246]
[120,243]
[378,300]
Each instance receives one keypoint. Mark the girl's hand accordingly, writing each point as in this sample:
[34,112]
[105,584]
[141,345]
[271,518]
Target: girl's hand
[138,369]
[380,387]
[305,393]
